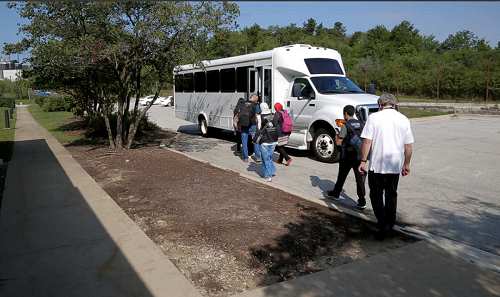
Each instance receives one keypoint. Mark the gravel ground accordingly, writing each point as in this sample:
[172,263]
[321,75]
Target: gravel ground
[227,234]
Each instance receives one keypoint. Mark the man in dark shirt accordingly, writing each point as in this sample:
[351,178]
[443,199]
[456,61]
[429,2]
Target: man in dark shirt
[349,158]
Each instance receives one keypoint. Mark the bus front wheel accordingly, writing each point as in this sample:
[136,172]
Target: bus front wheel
[323,146]
[203,126]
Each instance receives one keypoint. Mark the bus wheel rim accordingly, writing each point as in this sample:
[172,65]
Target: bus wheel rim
[324,145]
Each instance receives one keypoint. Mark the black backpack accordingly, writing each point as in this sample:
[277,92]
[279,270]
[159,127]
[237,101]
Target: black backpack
[245,114]
[353,140]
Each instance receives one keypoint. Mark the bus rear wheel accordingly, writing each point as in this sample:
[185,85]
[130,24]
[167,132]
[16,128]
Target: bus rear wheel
[324,148]
[203,126]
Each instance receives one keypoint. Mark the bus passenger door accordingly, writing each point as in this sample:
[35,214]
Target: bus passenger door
[300,104]
[252,82]
[267,86]
[264,82]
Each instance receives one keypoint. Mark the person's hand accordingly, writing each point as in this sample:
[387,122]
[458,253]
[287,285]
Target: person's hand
[406,170]
[362,168]
[338,140]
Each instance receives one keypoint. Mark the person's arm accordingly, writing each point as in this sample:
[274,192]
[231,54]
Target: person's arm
[408,151]
[367,135]
[365,150]
[259,120]
[406,165]
[339,137]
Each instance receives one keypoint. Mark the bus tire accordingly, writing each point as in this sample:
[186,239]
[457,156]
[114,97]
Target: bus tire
[203,126]
[323,146]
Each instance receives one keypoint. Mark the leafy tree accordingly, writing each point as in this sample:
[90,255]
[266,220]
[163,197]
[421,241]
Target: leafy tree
[310,26]
[339,30]
[105,53]
[461,40]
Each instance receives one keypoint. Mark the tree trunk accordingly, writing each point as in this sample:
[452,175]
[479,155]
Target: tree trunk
[487,82]
[126,118]
[110,133]
[437,89]
[365,80]
[134,125]
[119,124]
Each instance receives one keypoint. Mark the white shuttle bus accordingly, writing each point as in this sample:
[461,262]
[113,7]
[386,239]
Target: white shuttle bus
[310,82]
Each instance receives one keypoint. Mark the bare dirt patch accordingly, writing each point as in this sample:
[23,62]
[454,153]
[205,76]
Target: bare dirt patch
[227,234]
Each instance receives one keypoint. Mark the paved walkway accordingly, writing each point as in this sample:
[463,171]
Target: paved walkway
[62,235]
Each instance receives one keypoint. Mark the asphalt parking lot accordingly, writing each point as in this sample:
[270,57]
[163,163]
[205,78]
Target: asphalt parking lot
[453,190]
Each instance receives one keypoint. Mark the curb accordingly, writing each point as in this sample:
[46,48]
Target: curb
[469,253]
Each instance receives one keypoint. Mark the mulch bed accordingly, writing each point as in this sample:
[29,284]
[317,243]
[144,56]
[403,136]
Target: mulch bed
[227,234]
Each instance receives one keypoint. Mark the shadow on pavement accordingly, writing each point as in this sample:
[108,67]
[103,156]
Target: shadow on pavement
[52,243]
[476,225]
[318,241]
[326,185]
[415,270]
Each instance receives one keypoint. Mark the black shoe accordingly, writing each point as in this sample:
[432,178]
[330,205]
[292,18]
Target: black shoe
[256,160]
[380,235]
[361,204]
[333,195]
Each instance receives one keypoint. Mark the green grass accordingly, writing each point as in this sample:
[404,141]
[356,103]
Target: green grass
[6,136]
[406,98]
[419,113]
[55,123]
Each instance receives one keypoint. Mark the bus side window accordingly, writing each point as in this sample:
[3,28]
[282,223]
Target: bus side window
[228,80]
[213,81]
[178,83]
[188,82]
[299,86]
[242,79]
[200,83]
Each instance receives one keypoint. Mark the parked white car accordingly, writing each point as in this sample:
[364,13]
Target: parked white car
[165,101]
[146,100]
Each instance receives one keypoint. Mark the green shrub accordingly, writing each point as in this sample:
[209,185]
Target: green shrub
[57,103]
[96,128]
[40,100]
[7,102]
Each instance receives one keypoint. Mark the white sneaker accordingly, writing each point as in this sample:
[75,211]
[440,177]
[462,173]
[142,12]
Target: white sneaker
[269,179]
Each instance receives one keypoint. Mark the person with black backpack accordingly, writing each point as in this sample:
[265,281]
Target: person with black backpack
[236,124]
[350,141]
[248,118]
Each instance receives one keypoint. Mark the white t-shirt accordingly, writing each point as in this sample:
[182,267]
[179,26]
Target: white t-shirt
[389,131]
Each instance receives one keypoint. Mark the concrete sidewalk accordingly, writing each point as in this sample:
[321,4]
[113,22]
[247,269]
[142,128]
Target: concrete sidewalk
[62,235]
[419,270]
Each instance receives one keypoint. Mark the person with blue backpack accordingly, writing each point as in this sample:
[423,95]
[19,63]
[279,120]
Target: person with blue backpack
[284,129]
[349,138]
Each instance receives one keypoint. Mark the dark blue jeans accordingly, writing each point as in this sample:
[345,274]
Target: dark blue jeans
[245,132]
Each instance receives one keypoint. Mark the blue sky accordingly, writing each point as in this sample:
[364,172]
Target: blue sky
[436,18]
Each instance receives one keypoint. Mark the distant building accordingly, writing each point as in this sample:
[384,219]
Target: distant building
[11,69]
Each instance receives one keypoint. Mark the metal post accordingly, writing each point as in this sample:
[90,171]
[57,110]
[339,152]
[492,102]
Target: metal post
[7,121]
[11,113]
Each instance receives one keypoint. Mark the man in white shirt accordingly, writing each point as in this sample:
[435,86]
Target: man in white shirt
[388,134]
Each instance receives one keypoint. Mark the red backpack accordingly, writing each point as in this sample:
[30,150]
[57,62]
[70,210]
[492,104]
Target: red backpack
[287,124]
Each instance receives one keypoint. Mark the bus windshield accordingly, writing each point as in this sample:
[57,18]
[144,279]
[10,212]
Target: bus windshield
[335,85]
